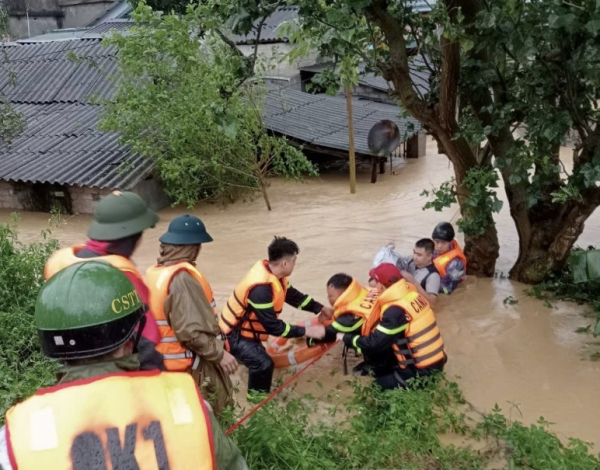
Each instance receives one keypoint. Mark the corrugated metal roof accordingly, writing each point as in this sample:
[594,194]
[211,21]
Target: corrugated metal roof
[322,120]
[43,73]
[61,144]
[419,74]
[109,26]
[270,28]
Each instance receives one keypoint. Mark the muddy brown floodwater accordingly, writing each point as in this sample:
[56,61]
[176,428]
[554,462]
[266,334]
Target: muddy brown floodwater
[525,357]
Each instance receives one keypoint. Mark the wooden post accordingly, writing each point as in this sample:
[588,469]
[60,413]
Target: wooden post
[351,141]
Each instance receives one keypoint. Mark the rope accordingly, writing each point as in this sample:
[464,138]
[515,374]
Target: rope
[277,390]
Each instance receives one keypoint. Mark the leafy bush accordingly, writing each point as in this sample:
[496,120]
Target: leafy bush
[399,430]
[560,285]
[23,368]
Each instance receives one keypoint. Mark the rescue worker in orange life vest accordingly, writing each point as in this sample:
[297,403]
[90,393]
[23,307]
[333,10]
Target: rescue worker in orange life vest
[252,313]
[355,311]
[407,326]
[448,257]
[184,306]
[105,413]
[119,220]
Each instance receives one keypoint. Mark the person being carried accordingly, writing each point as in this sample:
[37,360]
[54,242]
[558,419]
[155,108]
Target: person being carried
[406,325]
[252,313]
[119,220]
[448,257]
[419,269]
[183,303]
[104,412]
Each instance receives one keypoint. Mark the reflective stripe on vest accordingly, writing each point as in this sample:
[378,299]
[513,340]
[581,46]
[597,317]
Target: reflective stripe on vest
[159,279]
[129,420]
[360,302]
[238,314]
[422,345]
[66,257]
[442,261]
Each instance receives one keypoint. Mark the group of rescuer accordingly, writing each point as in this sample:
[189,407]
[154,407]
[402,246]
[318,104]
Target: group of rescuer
[146,362]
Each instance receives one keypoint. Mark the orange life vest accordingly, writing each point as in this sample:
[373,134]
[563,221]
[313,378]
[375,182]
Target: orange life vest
[159,278]
[146,420]
[422,345]
[66,257]
[442,261]
[238,314]
[360,302]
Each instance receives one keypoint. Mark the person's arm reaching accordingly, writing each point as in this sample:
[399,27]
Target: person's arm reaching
[390,329]
[433,282]
[260,300]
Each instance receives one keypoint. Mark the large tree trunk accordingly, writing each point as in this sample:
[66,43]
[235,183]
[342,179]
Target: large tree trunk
[439,120]
[545,242]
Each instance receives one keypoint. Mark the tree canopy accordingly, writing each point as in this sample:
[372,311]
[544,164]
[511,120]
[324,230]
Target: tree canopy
[182,104]
[509,81]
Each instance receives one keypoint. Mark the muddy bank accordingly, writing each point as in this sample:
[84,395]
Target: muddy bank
[525,357]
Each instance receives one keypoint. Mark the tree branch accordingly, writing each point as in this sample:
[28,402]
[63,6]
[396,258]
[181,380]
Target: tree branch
[396,70]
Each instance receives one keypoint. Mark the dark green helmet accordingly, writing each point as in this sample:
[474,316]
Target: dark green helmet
[443,231]
[119,215]
[86,310]
[186,230]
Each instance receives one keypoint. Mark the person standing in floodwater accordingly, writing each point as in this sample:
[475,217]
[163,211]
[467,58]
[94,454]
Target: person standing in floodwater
[407,326]
[252,313]
[184,305]
[448,257]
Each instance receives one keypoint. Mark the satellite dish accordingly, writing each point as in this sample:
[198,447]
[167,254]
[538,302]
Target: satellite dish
[384,138]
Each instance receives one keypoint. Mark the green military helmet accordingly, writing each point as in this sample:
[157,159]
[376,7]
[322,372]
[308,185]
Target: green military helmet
[119,215]
[186,230]
[86,310]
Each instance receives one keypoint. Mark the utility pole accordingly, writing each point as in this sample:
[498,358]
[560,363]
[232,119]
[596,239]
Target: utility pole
[351,140]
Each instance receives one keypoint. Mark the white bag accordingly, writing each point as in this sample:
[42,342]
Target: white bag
[386,255]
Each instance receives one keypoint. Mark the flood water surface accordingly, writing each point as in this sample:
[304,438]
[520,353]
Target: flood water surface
[525,357]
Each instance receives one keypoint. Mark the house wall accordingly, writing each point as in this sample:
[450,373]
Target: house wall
[48,15]
[72,199]
[373,94]
[272,61]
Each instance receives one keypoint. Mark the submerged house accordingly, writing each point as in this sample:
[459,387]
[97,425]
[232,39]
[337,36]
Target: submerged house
[62,159]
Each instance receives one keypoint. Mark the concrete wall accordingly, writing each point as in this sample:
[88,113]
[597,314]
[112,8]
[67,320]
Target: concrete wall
[80,13]
[73,199]
[48,15]
[361,91]
[272,63]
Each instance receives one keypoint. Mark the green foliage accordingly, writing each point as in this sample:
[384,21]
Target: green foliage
[534,447]
[561,285]
[479,199]
[398,430]
[11,121]
[442,197]
[23,368]
[180,104]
